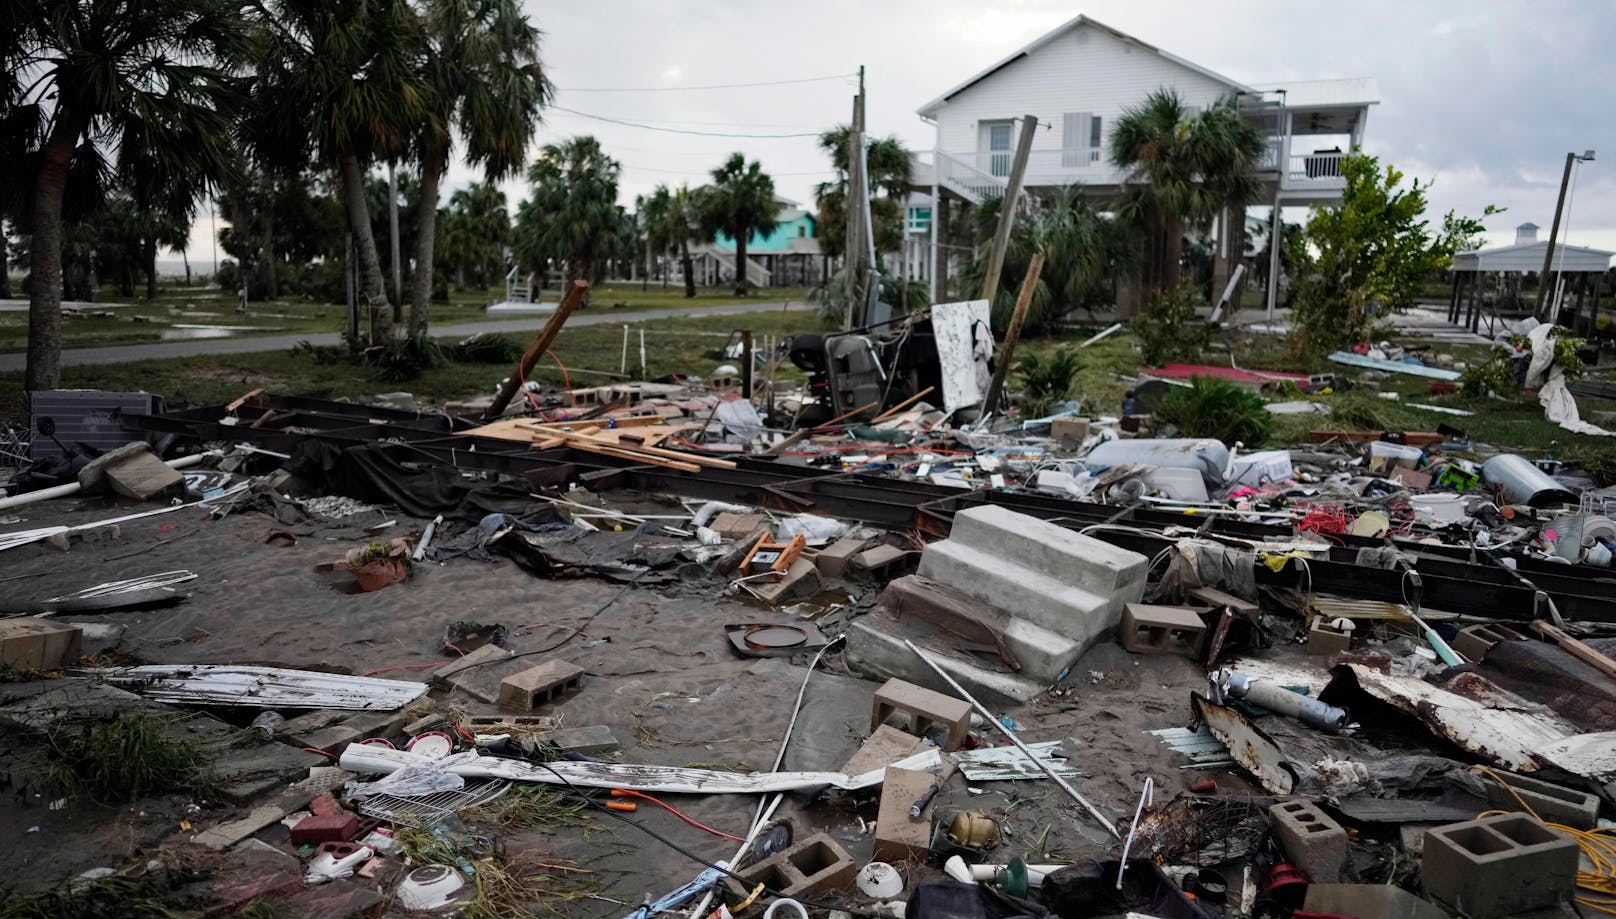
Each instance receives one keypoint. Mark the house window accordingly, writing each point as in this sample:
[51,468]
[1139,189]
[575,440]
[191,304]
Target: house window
[1080,139]
[802,231]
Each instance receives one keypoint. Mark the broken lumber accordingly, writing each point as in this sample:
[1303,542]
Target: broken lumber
[546,337]
[1577,649]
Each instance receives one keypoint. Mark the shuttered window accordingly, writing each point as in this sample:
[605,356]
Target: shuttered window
[1080,139]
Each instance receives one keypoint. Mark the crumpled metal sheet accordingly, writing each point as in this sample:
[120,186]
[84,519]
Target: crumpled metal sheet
[1472,713]
[1250,745]
[1589,755]
[264,687]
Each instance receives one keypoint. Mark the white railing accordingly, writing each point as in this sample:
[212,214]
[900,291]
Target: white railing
[1324,168]
[966,180]
[517,288]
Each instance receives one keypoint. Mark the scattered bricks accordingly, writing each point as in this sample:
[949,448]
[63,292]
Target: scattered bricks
[224,835]
[324,806]
[801,580]
[1324,639]
[1211,596]
[38,644]
[1475,641]
[815,865]
[882,561]
[504,724]
[924,708]
[1148,629]
[589,741]
[1498,866]
[897,837]
[834,558]
[540,685]
[1069,431]
[731,525]
[317,828]
[1312,841]
[1553,803]
[885,746]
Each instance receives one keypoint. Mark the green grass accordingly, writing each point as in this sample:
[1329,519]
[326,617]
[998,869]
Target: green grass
[592,356]
[121,761]
[138,320]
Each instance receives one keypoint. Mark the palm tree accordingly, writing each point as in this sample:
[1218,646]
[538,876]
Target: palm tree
[341,81]
[573,213]
[476,230]
[1182,169]
[670,223]
[148,78]
[890,166]
[487,86]
[740,202]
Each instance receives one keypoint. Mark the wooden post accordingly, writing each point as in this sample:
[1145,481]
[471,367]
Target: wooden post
[1013,333]
[1554,230]
[746,364]
[546,337]
[1007,208]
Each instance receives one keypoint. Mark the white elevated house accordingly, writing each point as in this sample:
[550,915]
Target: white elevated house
[1077,80]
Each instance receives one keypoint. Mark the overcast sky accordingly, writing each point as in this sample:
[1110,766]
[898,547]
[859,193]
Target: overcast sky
[1483,98]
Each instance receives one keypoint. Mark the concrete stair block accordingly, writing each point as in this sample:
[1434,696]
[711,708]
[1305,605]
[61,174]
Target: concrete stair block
[1049,548]
[1039,598]
[873,651]
[922,609]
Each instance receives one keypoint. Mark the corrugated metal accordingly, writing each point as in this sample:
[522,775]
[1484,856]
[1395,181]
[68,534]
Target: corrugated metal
[264,687]
[999,764]
[1529,257]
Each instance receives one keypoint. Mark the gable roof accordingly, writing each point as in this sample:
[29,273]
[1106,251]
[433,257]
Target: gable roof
[930,108]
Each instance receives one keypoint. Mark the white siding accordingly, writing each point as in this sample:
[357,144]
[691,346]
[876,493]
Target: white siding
[1086,70]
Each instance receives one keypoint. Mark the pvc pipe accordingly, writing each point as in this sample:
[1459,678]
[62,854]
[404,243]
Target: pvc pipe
[786,908]
[72,488]
[1011,736]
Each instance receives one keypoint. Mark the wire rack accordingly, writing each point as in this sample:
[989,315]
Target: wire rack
[434,808]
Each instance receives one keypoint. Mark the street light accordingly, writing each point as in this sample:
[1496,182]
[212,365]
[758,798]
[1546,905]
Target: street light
[1554,229]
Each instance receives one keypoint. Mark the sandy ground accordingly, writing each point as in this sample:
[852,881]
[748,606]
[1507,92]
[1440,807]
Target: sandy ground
[660,673]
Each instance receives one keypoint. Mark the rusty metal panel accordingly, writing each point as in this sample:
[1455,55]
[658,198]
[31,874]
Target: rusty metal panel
[1250,745]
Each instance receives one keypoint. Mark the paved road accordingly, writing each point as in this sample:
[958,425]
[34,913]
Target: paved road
[121,354]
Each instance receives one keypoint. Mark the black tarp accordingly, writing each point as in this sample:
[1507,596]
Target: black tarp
[380,474]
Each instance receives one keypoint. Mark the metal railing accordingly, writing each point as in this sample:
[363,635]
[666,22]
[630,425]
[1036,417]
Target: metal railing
[1315,167]
[965,179]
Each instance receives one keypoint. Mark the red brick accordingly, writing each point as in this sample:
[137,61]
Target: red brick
[317,828]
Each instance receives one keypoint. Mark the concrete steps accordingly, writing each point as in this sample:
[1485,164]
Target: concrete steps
[1025,593]
[1043,546]
[875,648]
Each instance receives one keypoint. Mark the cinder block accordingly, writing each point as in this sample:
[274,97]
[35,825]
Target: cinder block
[816,864]
[731,525]
[317,828]
[1475,641]
[801,580]
[1553,803]
[882,560]
[834,558]
[540,685]
[1323,639]
[1149,629]
[1312,841]
[898,838]
[1498,866]
[885,746]
[590,741]
[1069,430]
[1215,598]
[924,708]
[38,644]
[503,724]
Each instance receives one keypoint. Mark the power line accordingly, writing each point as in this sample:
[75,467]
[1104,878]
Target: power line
[650,127]
[680,89]
[702,172]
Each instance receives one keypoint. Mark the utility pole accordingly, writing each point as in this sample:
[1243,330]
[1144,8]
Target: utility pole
[1007,208]
[392,219]
[1554,230]
[856,259]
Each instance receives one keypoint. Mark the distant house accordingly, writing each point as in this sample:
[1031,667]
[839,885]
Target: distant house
[1077,80]
[787,256]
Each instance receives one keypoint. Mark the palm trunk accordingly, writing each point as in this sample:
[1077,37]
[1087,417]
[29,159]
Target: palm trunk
[580,268]
[5,263]
[149,261]
[426,230]
[740,264]
[688,267]
[1172,249]
[45,256]
[372,286]
[272,278]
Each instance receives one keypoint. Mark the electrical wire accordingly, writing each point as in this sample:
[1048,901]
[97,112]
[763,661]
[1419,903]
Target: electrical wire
[681,89]
[1598,846]
[631,793]
[650,127]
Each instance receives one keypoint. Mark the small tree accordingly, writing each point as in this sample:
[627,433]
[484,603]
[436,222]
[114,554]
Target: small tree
[1364,258]
[740,202]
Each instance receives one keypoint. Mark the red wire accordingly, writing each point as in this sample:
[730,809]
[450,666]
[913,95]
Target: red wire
[413,666]
[322,753]
[565,380]
[627,793]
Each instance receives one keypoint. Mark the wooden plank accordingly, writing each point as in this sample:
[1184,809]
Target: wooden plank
[903,405]
[591,446]
[1578,649]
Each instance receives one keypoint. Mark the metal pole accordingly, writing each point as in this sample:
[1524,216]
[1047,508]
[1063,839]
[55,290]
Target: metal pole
[1554,230]
[1010,736]
[746,364]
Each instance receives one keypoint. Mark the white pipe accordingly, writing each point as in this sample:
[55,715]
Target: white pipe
[72,488]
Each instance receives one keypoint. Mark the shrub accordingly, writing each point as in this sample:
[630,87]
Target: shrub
[1168,330]
[1210,407]
[402,359]
[485,348]
[1045,379]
